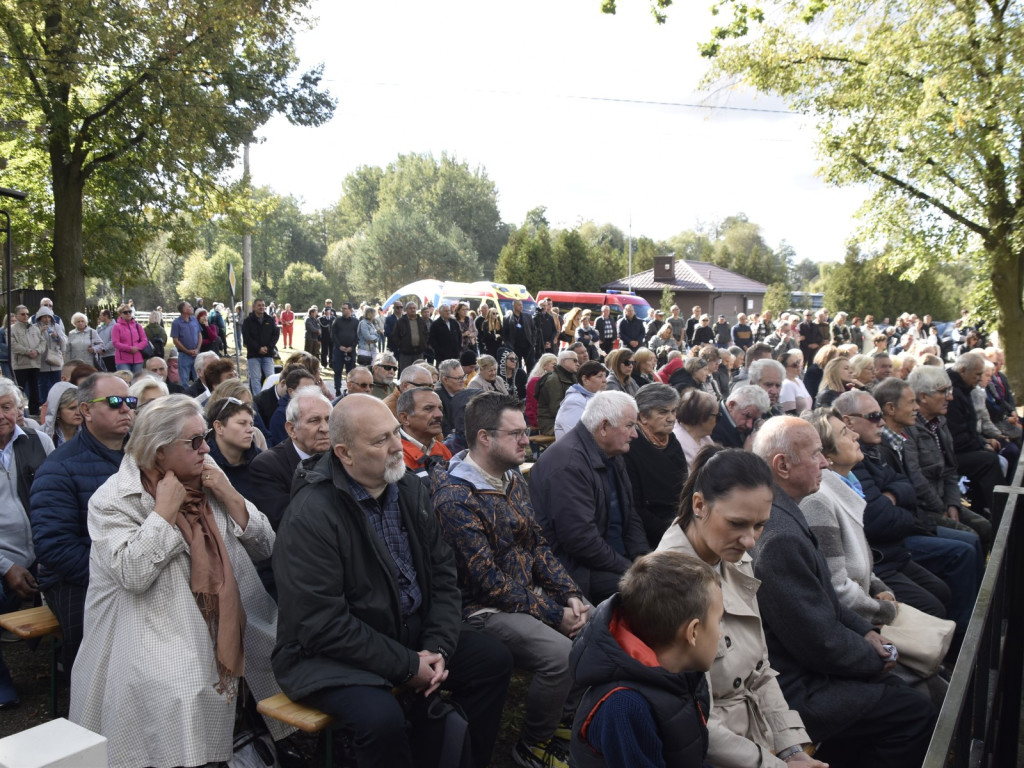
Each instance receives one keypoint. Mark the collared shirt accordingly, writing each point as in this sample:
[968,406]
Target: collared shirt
[385,517]
[8,451]
[186,331]
[895,439]
[933,429]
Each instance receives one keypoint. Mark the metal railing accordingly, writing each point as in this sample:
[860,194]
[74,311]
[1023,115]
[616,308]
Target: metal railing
[979,724]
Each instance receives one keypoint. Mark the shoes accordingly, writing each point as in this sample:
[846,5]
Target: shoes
[563,732]
[547,754]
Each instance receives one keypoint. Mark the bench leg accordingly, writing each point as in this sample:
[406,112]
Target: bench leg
[54,656]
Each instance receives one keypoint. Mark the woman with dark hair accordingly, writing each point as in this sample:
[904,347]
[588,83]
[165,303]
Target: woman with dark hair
[466,326]
[724,507]
[232,427]
[209,339]
[655,460]
[620,366]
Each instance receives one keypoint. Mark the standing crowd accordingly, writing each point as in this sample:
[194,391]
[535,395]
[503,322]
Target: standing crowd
[699,540]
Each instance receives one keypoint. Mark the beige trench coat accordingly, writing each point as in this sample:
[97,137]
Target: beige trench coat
[145,673]
[750,719]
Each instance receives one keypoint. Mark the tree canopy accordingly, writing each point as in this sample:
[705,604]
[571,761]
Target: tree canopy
[922,103]
[134,104]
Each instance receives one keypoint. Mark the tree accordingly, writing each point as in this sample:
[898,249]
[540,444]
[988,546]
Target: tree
[158,96]
[864,285]
[528,259]
[778,298]
[741,249]
[403,246]
[302,286]
[923,103]
[207,277]
[667,300]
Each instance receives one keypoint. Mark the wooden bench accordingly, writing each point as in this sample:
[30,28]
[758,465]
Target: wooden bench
[307,719]
[33,623]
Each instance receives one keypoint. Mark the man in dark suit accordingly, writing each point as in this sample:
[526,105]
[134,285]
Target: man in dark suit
[445,335]
[517,331]
[976,457]
[832,663]
[738,414]
[271,472]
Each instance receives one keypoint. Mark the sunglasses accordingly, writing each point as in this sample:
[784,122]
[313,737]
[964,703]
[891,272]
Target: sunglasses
[389,367]
[875,417]
[116,401]
[627,363]
[195,442]
[224,404]
[126,312]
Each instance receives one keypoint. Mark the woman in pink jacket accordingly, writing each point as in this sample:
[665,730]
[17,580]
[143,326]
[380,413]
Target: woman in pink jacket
[129,340]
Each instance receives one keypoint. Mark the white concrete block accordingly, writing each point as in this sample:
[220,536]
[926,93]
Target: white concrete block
[56,744]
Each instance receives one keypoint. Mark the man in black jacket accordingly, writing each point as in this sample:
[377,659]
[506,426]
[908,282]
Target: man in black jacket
[259,333]
[410,337]
[517,331]
[445,335]
[369,597]
[977,457]
[344,341]
[833,665]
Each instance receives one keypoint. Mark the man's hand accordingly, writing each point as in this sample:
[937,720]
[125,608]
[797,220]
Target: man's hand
[953,513]
[802,758]
[430,674]
[263,351]
[994,444]
[878,642]
[574,616]
[888,596]
[21,581]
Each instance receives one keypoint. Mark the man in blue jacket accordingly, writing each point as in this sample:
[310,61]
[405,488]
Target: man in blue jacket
[60,500]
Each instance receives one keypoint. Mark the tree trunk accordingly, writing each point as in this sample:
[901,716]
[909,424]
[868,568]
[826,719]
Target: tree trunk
[68,264]
[1007,276]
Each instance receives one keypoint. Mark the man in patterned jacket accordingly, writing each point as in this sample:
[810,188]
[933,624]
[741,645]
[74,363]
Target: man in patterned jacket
[513,587]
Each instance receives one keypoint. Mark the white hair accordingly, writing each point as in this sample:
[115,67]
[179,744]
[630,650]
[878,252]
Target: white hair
[294,410]
[612,407]
[925,379]
[159,424]
[203,359]
[775,437]
[750,394]
[757,368]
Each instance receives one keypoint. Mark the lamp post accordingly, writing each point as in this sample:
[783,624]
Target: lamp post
[14,194]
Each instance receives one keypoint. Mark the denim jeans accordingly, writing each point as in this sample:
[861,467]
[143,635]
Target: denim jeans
[259,369]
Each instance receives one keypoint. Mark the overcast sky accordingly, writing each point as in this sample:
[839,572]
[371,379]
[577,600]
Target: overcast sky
[594,116]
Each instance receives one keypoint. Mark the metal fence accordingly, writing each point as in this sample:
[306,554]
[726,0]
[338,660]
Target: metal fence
[979,724]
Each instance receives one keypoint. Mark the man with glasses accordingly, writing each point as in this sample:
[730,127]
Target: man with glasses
[513,586]
[452,381]
[552,387]
[411,377]
[385,366]
[739,414]
[359,381]
[581,494]
[370,600]
[60,500]
[911,555]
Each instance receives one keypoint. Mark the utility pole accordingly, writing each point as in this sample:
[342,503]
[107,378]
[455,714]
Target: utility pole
[246,243]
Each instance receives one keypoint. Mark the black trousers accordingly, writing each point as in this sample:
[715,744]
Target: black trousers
[984,473]
[28,380]
[892,734]
[917,586]
[478,677]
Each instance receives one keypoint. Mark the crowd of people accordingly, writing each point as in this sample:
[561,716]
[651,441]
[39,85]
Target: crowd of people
[693,539]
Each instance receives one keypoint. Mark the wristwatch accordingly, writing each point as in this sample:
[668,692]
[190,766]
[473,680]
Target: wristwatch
[789,752]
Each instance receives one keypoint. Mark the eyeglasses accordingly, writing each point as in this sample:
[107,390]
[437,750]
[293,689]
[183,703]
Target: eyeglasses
[455,378]
[196,442]
[224,404]
[116,401]
[126,311]
[388,367]
[517,434]
[942,391]
[874,417]
[627,363]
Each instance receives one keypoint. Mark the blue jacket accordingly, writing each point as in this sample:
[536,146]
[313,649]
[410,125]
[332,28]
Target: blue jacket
[60,507]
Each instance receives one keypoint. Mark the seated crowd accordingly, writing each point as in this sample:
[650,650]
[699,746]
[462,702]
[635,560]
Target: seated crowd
[693,538]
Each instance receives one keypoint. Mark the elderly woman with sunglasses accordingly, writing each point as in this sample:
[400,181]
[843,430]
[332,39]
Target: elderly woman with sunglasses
[175,613]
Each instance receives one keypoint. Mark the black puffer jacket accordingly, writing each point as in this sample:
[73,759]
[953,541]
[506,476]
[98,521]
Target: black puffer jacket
[339,621]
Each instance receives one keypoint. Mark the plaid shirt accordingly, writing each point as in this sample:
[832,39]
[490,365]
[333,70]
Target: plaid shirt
[386,520]
[933,429]
[895,440]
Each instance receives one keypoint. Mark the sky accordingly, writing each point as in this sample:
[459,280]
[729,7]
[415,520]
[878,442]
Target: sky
[596,117]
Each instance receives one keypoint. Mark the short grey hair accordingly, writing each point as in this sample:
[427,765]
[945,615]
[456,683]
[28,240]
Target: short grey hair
[9,389]
[889,390]
[656,395]
[607,406]
[412,304]
[203,359]
[407,400]
[846,403]
[925,379]
[758,367]
[410,372]
[446,367]
[968,361]
[158,425]
[775,437]
[79,316]
[750,394]
[293,412]
[565,354]
[87,386]
[147,381]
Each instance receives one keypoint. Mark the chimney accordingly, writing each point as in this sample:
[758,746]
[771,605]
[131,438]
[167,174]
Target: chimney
[664,268]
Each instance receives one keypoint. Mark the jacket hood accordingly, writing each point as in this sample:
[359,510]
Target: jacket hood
[44,312]
[580,392]
[597,658]
[460,469]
